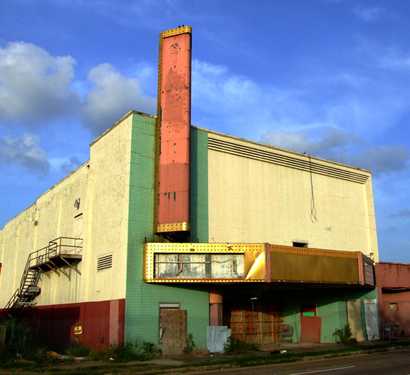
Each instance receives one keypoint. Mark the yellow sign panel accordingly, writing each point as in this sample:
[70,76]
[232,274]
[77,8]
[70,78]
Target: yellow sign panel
[316,266]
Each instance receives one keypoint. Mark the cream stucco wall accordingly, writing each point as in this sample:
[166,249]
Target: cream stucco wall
[102,185]
[254,200]
[51,216]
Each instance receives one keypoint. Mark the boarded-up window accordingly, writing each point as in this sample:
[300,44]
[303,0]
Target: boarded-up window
[228,266]
[104,262]
[190,266]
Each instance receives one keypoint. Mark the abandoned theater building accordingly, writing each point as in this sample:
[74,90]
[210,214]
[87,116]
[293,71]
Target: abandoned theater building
[169,230]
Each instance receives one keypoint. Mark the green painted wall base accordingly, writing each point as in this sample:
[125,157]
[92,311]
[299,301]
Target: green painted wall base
[331,307]
[143,300]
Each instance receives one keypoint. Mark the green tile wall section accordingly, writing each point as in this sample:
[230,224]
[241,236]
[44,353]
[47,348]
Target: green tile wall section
[333,310]
[331,307]
[143,300]
[199,185]
[333,315]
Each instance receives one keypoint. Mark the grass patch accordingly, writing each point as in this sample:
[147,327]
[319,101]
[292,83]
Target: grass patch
[139,351]
[237,346]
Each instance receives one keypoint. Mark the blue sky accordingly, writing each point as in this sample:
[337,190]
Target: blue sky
[327,77]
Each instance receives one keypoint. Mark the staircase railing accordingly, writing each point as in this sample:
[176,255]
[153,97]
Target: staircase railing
[28,290]
[12,301]
[62,246]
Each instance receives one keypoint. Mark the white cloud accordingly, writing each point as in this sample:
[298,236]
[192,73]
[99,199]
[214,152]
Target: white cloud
[395,60]
[24,151]
[64,164]
[335,144]
[368,14]
[383,159]
[305,119]
[331,139]
[34,85]
[237,104]
[353,101]
[112,94]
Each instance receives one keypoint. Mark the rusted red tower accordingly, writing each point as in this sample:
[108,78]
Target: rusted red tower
[173,131]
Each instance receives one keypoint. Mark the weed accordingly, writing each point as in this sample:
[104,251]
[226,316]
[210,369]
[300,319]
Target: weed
[236,346]
[344,335]
[190,344]
[101,355]
[140,351]
[19,338]
[150,350]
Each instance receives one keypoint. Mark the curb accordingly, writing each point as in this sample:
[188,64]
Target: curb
[311,359]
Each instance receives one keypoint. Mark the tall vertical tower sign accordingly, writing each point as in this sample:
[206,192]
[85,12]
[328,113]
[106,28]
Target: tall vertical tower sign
[173,131]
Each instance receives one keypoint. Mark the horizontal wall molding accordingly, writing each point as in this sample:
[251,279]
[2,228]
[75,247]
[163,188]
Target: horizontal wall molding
[307,165]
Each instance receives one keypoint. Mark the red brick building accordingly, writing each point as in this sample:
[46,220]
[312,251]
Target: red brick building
[393,286]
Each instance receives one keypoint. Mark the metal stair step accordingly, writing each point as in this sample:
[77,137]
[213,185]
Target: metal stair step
[28,288]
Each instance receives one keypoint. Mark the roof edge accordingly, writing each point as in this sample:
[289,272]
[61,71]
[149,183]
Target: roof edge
[116,123]
[267,145]
[394,264]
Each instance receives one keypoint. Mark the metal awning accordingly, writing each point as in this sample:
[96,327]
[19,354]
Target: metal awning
[255,263]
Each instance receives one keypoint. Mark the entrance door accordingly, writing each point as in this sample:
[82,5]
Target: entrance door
[173,330]
[310,325]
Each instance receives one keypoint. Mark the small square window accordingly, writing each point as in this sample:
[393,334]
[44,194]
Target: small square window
[77,203]
[393,306]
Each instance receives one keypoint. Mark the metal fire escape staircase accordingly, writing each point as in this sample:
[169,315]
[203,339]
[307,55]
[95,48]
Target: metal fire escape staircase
[59,254]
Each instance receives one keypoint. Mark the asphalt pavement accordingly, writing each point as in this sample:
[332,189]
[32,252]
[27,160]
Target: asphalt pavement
[382,363]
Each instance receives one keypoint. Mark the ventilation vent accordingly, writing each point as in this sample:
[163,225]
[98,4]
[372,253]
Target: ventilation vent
[104,262]
[284,160]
